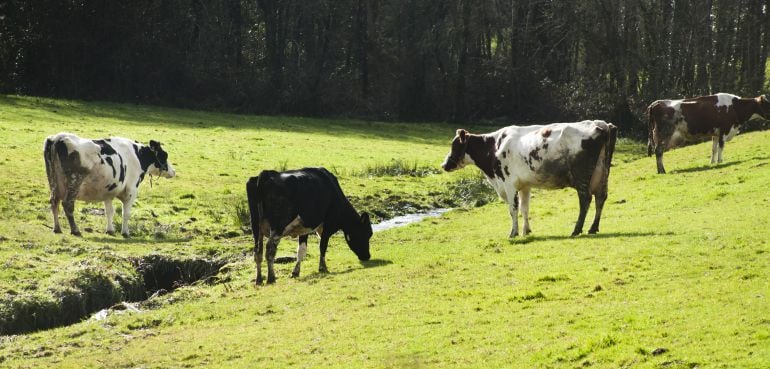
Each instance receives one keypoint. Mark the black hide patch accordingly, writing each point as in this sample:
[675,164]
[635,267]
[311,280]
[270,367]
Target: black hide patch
[69,162]
[112,165]
[106,149]
[122,170]
[112,187]
[141,178]
[145,156]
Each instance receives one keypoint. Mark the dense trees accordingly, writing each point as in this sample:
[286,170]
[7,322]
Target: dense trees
[520,60]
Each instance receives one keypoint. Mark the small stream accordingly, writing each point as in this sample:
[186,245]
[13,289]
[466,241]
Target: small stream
[407,219]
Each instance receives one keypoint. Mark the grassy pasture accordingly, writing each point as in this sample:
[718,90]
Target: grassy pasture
[677,278]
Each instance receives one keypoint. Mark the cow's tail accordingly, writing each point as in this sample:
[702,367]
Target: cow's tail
[599,178]
[254,194]
[52,165]
[650,129]
[610,146]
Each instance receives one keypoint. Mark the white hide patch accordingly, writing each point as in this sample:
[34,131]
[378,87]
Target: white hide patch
[724,99]
[296,228]
[733,131]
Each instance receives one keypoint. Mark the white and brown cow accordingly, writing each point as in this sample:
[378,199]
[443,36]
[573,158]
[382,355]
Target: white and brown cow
[99,170]
[718,116]
[516,159]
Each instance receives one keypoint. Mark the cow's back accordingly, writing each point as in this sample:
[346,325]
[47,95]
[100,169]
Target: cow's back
[313,194]
[109,167]
[548,156]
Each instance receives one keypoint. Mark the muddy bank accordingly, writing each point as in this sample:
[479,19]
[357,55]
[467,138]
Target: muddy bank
[97,285]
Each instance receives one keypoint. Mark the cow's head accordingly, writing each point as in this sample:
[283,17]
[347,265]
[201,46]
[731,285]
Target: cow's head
[457,157]
[764,106]
[357,235]
[161,166]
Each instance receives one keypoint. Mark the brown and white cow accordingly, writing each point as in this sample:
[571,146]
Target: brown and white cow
[99,170]
[718,116]
[516,159]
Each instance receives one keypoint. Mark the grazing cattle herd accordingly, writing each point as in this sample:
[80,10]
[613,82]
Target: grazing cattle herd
[297,203]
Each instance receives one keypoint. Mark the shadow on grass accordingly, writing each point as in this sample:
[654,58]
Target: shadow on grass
[170,116]
[584,236]
[372,263]
[136,240]
[706,167]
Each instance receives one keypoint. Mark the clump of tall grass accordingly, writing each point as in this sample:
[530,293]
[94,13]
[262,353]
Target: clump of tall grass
[397,168]
[469,191]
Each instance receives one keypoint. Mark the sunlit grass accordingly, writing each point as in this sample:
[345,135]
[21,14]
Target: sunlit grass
[676,278]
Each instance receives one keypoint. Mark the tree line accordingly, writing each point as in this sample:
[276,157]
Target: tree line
[410,60]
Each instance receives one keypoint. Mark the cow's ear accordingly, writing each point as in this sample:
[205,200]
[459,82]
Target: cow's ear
[463,134]
[154,145]
[365,218]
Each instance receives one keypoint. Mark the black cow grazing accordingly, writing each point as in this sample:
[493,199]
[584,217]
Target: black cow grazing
[299,202]
[516,159]
[719,116]
[99,170]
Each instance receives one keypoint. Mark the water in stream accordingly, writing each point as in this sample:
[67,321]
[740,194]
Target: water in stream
[403,220]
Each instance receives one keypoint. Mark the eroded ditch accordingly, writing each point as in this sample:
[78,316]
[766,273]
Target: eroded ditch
[95,287]
[118,283]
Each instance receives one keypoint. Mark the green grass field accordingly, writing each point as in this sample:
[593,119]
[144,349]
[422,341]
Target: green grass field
[677,277]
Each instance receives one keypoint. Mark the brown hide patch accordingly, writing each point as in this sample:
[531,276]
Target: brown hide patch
[545,132]
[534,155]
[482,150]
[703,117]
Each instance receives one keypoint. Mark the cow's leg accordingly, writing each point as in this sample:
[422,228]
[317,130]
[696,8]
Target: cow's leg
[301,252]
[322,262]
[272,248]
[585,201]
[55,211]
[714,148]
[524,205]
[721,147]
[601,197]
[659,158]
[68,202]
[258,256]
[109,211]
[126,215]
[513,209]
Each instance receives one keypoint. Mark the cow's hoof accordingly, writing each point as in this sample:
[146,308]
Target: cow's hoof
[125,235]
[270,280]
[295,274]
[76,233]
[111,233]
[259,281]
[576,233]
[57,231]
[323,270]
[593,231]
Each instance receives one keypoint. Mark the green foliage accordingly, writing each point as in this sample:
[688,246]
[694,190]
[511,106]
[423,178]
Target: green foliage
[398,168]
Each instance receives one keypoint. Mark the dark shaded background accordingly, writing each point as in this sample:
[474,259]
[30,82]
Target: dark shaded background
[409,60]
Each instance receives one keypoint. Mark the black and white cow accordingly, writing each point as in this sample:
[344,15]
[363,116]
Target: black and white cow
[99,170]
[299,202]
[515,159]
